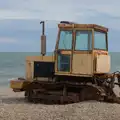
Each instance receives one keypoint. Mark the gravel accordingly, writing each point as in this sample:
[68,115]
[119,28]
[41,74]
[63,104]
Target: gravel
[13,107]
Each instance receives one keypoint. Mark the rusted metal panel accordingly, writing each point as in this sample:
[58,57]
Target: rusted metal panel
[66,52]
[19,84]
[94,26]
[40,58]
[102,64]
[30,64]
[82,64]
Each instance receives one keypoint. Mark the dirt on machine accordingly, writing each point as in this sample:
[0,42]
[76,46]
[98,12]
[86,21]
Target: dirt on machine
[79,69]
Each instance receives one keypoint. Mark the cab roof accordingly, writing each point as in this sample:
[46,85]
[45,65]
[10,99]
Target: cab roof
[67,24]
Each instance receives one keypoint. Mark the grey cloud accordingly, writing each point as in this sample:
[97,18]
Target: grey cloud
[17,29]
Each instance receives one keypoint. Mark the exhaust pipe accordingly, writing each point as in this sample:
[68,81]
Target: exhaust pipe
[43,39]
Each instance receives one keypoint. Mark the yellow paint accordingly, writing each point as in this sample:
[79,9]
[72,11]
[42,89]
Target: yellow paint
[30,64]
[40,58]
[82,64]
[16,84]
[66,52]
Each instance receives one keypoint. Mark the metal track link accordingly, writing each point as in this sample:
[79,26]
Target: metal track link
[87,92]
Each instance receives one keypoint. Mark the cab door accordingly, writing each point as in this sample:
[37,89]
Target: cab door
[64,52]
[82,63]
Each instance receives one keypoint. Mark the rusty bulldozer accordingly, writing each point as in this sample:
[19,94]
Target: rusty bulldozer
[78,71]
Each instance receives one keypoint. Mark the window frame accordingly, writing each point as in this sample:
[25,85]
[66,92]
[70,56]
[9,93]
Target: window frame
[66,55]
[89,30]
[106,37]
[59,39]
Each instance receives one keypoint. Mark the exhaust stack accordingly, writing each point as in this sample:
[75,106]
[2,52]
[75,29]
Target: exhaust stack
[43,39]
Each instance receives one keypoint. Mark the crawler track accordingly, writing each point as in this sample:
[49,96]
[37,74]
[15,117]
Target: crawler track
[66,93]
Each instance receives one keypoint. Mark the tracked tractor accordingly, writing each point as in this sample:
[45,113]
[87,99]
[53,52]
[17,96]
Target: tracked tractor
[78,71]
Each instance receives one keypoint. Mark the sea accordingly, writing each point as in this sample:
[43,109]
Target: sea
[12,64]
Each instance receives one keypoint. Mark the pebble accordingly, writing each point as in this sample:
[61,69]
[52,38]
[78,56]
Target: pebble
[13,107]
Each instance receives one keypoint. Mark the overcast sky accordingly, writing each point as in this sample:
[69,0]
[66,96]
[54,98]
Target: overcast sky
[19,21]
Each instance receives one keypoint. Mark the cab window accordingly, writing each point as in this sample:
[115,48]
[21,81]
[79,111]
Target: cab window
[83,40]
[100,41]
[65,41]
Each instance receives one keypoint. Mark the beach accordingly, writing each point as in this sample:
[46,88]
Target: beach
[14,107]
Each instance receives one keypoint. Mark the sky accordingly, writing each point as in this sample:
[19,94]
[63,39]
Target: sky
[20,27]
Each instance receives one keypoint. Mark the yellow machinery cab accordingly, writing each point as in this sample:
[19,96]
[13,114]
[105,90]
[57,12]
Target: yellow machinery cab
[81,50]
